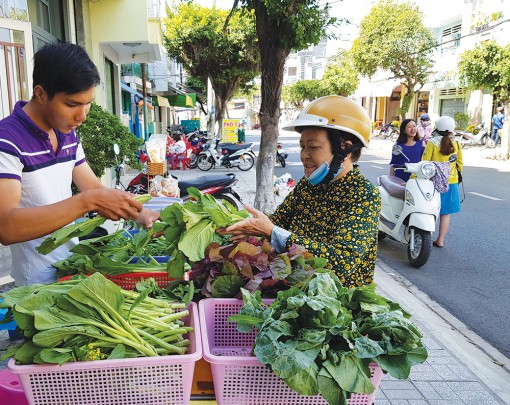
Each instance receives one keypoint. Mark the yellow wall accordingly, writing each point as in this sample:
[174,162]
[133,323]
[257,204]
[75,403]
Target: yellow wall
[119,21]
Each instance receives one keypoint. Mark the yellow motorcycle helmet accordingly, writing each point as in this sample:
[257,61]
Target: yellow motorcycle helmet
[335,112]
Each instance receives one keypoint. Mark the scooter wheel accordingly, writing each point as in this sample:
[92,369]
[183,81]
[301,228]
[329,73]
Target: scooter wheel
[246,162]
[193,161]
[422,246]
[381,235]
[204,162]
[281,160]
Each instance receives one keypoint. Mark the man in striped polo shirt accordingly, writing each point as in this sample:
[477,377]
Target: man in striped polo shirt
[41,155]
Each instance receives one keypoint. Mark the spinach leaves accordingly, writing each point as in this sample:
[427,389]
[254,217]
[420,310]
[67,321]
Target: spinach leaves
[320,339]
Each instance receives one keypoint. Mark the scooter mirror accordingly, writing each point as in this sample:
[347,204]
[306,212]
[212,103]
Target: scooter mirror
[116,149]
[397,150]
[452,158]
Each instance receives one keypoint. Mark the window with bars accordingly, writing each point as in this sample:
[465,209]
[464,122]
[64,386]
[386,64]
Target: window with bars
[450,37]
[453,91]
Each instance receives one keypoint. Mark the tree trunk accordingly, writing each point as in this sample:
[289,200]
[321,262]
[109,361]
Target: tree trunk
[273,56]
[220,106]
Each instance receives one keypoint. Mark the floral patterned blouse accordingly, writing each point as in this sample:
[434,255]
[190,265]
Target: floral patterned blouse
[338,223]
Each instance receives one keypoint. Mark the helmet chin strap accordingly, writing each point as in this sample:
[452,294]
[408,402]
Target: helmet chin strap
[338,159]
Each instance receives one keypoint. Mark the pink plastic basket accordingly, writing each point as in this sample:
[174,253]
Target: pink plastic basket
[144,380]
[240,378]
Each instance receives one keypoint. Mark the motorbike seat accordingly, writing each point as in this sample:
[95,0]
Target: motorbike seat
[395,186]
[210,180]
[233,147]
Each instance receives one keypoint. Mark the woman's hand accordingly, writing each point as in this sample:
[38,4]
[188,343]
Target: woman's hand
[258,225]
[146,218]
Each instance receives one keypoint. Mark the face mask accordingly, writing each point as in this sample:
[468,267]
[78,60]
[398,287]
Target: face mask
[319,174]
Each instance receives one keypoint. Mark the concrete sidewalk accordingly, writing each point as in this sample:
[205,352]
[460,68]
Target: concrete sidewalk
[461,368]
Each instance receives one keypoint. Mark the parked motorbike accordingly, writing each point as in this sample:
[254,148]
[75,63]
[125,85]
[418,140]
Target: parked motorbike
[479,136]
[197,141]
[227,155]
[409,210]
[220,186]
[281,154]
[389,132]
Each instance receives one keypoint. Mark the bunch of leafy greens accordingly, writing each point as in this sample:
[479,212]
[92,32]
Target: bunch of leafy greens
[253,265]
[320,339]
[117,253]
[189,228]
[88,318]
[77,230]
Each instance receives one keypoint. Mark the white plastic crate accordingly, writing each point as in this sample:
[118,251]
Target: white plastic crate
[240,379]
[144,380]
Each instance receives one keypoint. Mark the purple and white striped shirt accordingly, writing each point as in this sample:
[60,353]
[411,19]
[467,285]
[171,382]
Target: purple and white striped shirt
[26,155]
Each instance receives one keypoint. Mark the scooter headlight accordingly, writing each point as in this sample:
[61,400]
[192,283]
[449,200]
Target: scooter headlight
[428,169]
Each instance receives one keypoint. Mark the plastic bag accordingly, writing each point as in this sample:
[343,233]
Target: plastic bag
[283,185]
[164,187]
[156,148]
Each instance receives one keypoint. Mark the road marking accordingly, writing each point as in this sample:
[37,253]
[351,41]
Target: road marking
[485,196]
[378,167]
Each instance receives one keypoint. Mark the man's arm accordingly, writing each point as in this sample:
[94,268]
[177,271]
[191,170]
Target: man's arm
[23,224]
[85,179]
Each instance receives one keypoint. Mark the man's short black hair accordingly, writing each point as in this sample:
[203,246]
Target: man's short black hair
[64,68]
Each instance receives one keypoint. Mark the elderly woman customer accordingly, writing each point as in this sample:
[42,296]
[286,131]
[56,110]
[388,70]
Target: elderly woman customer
[334,210]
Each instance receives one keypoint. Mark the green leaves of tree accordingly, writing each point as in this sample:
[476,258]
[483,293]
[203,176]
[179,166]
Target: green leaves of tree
[392,37]
[487,66]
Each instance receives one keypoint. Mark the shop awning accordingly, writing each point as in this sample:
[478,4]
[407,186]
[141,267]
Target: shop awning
[160,101]
[183,100]
[127,88]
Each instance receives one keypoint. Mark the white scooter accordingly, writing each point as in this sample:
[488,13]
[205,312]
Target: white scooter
[227,155]
[409,210]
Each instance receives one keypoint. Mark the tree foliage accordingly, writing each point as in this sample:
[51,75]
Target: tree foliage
[100,131]
[488,66]
[392,37]
[340,78]
[282,26]
[229,58]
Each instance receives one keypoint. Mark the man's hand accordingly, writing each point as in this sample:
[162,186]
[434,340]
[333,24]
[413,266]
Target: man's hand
[258,225]
[112,204]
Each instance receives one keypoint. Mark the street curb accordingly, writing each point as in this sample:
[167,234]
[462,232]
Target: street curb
[477,355]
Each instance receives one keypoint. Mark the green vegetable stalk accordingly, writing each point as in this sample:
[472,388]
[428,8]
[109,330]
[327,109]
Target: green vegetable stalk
[92,318]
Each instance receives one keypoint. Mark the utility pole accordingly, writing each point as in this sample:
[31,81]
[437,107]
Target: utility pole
[144,93]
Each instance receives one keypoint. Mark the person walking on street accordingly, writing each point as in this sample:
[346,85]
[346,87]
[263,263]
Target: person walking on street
[334,210]
[439,149]
[412,148]
[41,155]
[497,124]
[425,129]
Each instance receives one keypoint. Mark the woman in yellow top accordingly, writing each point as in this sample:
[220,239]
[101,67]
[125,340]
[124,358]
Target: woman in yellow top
[439,149]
